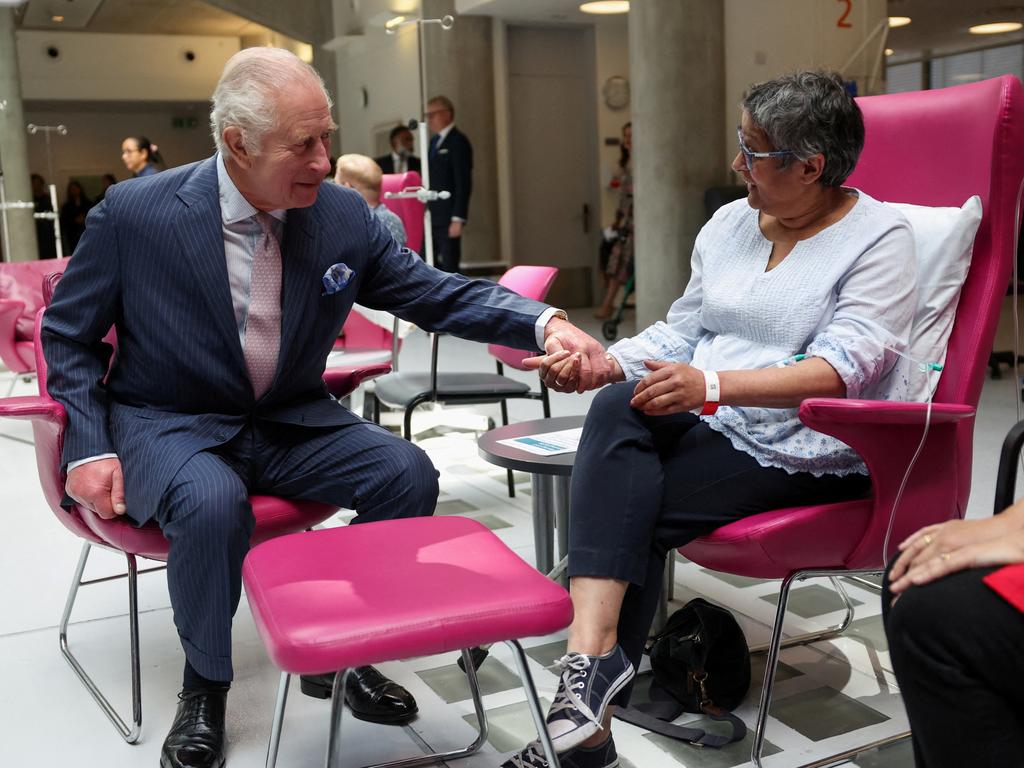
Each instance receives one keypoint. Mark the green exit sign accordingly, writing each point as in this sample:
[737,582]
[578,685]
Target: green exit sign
[184,122]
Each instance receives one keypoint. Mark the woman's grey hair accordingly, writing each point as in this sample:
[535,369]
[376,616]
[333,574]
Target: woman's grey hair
[810,113]
[249,90]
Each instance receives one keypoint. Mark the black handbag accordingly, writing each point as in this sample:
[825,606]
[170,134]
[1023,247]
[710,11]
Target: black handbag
[701,663]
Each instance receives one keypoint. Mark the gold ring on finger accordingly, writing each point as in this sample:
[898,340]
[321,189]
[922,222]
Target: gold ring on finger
[944,556]
[927,539]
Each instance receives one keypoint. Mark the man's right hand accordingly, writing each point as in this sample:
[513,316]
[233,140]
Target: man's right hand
[98,486]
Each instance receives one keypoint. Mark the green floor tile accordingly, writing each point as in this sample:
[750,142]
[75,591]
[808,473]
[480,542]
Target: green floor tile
[811,601]
[454,507]
[823,713]
[898,755]
[449,682]
[510,727]
[870,630]
[493,522]
[546,655]
[695,757]
[733,580]
[782,672]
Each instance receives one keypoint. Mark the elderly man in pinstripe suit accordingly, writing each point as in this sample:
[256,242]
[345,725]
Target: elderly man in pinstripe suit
[227,282]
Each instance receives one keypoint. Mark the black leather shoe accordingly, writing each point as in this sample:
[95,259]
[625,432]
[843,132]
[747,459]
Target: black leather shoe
[196,738]
[369,695]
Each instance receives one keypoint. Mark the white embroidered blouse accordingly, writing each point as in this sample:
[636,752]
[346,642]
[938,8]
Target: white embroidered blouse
[846,295]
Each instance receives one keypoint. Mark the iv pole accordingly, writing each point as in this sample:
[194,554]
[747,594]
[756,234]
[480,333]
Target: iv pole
[51,215]
[423,193]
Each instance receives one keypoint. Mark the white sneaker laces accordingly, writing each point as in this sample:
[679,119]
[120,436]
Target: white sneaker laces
[531,757]
[574,668]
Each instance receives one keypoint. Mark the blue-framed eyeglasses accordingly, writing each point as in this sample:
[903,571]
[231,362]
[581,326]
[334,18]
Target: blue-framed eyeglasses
[749,155]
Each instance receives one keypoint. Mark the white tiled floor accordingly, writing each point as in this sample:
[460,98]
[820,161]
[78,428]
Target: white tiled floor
[47,719]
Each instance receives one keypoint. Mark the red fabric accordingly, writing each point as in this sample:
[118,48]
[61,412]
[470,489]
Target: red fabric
[1008,583]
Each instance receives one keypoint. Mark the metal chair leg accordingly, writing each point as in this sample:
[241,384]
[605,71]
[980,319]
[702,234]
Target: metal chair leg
[278,724]
[534,702]
[337,707]
[131,735]
[775,645]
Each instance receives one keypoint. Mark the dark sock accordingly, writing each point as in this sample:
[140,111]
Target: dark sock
[193,681]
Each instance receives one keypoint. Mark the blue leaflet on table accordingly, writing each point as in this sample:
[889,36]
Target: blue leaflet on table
[337,277]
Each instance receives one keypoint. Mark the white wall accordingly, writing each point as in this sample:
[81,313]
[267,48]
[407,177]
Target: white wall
[121,67]
[385,66]
[764,40]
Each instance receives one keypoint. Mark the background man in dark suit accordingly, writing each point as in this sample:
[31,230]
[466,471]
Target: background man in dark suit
[451,169]
[227,296]
[400,159]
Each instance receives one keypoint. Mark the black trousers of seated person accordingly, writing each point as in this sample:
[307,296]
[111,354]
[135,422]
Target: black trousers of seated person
[645,485]
[958,652]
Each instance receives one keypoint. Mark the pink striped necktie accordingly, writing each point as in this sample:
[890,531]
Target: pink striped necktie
[263,321]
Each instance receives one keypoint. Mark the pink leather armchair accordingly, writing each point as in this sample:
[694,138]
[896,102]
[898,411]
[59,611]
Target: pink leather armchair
[21,296]
[274,517]
[929,148]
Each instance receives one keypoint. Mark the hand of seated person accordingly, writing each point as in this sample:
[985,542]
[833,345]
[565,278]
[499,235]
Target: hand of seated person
[574,361]
[669,388]
[939,550]
[98,486]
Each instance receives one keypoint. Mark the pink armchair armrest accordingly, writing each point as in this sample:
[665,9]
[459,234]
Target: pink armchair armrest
[886,435]
[11,351]
[342,379]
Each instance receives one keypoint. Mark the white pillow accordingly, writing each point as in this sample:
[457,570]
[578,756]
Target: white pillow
[944,238]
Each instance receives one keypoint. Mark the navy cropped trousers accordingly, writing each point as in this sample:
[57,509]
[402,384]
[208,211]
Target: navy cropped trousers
[645,485]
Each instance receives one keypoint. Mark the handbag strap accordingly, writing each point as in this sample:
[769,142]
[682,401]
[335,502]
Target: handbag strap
[657,716]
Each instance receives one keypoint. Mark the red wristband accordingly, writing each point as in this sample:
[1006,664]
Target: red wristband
[712,390]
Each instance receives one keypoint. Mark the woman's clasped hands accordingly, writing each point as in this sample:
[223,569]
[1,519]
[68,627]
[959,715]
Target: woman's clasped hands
[939,550]
[669,388]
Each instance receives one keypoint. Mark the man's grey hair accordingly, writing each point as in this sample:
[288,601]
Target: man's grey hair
[248,92]
[810,113]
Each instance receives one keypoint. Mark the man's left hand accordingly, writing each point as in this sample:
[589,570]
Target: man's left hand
[455,229]
[574,361]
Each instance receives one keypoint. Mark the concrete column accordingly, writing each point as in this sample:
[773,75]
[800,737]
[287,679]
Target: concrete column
[460,65]
[677,71]
[14,147]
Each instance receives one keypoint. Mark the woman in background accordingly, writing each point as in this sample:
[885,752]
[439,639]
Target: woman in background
[140,156]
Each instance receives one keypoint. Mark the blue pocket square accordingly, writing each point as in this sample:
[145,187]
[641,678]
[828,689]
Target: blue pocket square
[337,277]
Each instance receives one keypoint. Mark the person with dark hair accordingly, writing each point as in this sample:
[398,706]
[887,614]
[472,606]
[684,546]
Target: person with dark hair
[45,241]
[804,289]
[72,216]
[451,169]
[617,249]
[107,180]
[140,156]
[953,609]
[400,159]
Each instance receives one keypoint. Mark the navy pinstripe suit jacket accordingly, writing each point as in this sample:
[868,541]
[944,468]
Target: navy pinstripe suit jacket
[151,263]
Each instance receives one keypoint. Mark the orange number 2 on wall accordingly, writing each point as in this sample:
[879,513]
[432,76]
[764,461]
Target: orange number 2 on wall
[843,23]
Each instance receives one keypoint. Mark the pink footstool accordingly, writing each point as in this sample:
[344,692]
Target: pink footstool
[345,597]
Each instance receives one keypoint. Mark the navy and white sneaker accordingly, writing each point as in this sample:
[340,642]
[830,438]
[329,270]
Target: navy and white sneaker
[587,685]
[601,756]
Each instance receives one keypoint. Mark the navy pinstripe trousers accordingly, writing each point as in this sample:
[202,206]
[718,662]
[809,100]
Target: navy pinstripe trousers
[206,515]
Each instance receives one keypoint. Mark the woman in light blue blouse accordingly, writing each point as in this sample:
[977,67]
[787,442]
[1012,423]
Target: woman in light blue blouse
[804,289]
